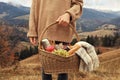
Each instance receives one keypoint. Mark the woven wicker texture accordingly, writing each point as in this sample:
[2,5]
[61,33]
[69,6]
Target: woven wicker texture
[52,63]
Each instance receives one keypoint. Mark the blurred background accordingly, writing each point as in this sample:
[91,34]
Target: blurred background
[99,25]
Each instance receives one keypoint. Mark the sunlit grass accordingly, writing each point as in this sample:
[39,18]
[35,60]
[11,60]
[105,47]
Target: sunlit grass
[108,70]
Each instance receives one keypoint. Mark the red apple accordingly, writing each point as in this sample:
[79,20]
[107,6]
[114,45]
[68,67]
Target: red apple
[50,48]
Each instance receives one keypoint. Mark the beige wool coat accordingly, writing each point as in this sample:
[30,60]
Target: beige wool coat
[45,12]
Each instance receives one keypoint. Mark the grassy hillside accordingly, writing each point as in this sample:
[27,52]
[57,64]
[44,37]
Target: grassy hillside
[99,33]
[3,15]
[28,69]
[24,17]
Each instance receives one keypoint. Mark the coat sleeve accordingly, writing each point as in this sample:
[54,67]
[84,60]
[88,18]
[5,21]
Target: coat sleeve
[32,32]
[76,9]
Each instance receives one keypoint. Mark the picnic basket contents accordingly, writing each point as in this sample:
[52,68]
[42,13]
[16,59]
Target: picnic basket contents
[58,58]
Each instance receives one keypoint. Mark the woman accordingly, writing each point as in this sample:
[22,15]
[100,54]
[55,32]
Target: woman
[45,12]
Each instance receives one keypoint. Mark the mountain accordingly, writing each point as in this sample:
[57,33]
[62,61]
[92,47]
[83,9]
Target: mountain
[115,21]
[96,14]
[114,12]
[118,12]
[12,11]
[91,19]
[19,15]
[9,12]
[99,33]
[23,17]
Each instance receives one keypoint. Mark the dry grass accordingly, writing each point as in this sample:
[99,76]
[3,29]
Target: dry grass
[99,33]
[24,17]
[105,49]
[29,69]
[3,14]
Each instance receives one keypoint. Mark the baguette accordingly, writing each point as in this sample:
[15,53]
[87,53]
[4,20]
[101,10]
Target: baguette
[73,49]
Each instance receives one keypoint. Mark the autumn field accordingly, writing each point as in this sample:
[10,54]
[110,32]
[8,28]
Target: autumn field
[18,58]
[29,69]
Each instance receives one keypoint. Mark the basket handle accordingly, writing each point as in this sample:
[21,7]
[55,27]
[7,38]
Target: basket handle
[43,32]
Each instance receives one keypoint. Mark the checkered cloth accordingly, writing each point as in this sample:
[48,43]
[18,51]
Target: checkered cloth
[88,55]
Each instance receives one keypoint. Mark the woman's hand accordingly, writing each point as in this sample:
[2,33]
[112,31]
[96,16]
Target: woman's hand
[33,40]
[64,20]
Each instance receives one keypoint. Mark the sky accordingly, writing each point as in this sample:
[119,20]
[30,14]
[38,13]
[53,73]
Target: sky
[113,5]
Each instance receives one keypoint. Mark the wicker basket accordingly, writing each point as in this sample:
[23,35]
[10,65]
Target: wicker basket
[52,63]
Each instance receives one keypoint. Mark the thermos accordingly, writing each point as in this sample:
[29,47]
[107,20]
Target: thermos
[47,46]
[45,43]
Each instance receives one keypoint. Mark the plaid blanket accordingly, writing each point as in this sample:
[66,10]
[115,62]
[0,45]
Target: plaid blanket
[88,55]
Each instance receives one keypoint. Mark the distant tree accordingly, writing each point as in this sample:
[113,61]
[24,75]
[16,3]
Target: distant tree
[96,41]
[27,52]
[9,39]
[98,51]
[117,42]
[88,38]
[4,42]
[91,40]
[116,35]
[108,41]
[105,41]
[24,53]
[35,49]
[117,39]
[112,41]
[74,41]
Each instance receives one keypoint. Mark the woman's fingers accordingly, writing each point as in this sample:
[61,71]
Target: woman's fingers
[64,19]
[33,40]
[64,23]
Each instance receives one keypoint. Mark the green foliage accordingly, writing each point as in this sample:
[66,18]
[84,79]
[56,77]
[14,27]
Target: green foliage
[95,41]
[90,39]
[73,41]
[107,41]
[27,52]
